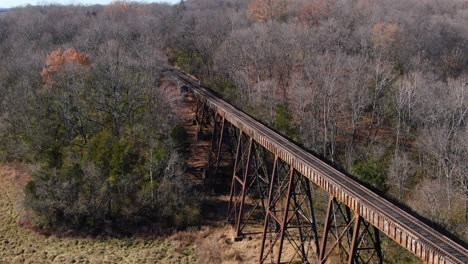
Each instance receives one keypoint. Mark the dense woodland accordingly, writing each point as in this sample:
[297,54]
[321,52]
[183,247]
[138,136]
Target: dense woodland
[80,97]
[378,87]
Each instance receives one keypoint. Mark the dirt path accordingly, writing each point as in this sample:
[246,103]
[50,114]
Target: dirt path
[184,106]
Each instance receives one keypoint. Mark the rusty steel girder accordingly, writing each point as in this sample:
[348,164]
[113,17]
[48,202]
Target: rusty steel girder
[249,181]
[348,236]
[289,216]
[216,145]
[281,197]
[222,147]
[205,119]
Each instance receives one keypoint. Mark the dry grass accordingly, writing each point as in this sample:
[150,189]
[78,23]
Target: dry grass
[217,246]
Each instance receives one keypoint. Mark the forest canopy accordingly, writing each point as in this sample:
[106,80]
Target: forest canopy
[378,87]
[81,99]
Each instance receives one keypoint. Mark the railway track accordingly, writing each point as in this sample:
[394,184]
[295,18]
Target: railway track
[431,238]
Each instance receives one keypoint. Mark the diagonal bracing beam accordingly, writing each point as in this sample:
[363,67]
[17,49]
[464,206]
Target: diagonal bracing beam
[289,219]
[249,185]
[347,238]
[400,226]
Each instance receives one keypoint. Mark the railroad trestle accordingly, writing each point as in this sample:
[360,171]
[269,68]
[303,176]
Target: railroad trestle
[265,188]
[272,193]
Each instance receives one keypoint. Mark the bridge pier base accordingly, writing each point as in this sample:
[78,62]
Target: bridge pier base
[281,197]
[348,238]
[289,214]
[249,181]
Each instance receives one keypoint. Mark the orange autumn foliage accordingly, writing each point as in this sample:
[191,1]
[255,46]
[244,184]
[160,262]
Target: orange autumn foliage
[266,10]
[314,11]
[384,36]
[116,7]
[56,59]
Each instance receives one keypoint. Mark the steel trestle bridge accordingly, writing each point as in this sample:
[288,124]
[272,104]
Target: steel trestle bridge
[273,182]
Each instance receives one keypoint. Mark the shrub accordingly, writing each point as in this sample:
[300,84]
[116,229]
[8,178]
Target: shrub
[179,138]
[371,172]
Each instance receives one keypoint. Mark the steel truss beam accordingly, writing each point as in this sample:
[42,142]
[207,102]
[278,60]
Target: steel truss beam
[249,181]
[222,147]
[283,200]
[216,145]
[289,216]
[348,237]
[204,119]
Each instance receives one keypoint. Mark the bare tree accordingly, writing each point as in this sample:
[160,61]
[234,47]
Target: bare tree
[429,199]
[327,76]
[382,79]
[400,170]
[404,102]
[357,99]
[444,120]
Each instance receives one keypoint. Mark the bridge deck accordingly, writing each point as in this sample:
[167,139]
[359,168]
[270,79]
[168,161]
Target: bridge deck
[411,233]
